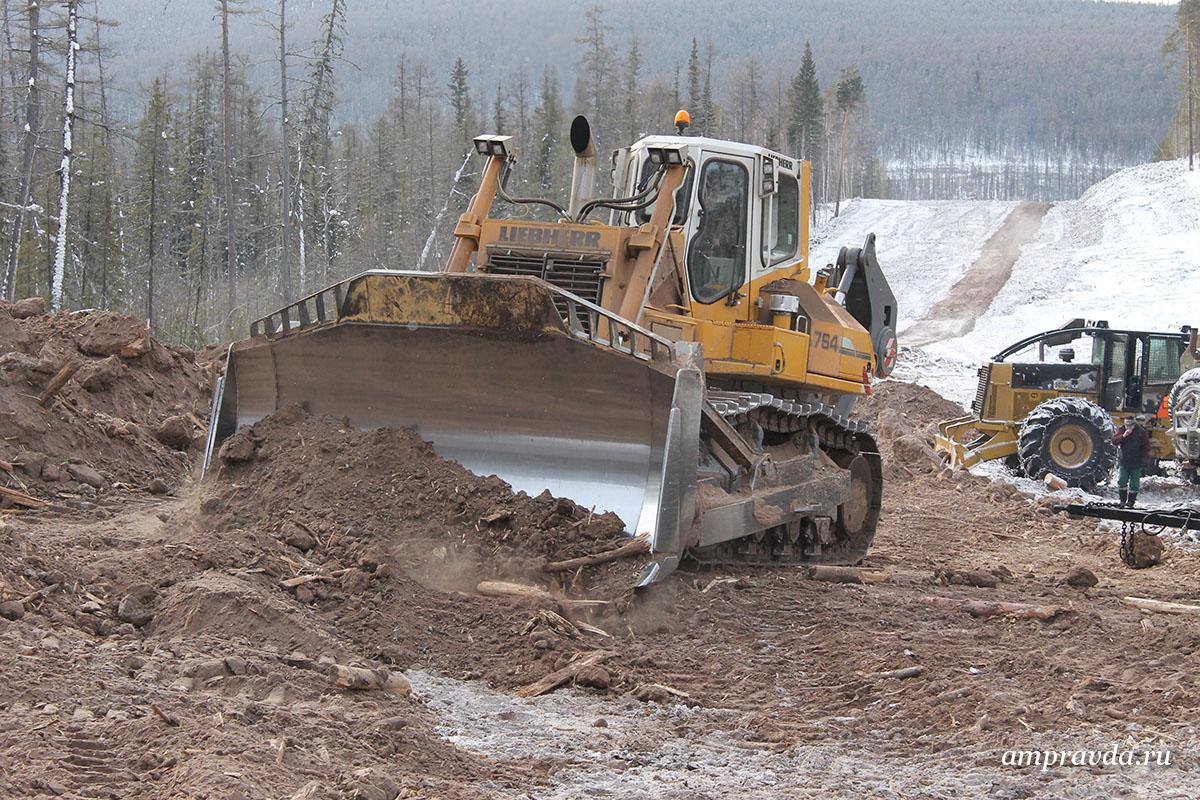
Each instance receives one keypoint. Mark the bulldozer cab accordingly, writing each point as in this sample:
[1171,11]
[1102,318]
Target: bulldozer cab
[740,212]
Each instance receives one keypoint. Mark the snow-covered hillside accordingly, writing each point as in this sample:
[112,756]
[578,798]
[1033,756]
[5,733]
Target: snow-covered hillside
[1127,251]
[924,247]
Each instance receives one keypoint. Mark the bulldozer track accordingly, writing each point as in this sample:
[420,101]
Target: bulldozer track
[841,438]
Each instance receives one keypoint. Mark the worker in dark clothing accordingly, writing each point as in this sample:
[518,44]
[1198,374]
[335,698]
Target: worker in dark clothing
[1135,449]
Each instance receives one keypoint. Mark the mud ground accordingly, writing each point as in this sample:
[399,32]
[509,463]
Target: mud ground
[185,644]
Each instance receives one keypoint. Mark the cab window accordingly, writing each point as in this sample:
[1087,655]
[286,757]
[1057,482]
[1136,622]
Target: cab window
[682,195]
[1163,363]
[717,255]
[781,222]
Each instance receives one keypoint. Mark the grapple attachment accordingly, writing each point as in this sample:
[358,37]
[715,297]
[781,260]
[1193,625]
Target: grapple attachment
[506,375]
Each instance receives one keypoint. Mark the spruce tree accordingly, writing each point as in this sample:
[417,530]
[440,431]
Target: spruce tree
[460,102]
[806,127]
[548,129]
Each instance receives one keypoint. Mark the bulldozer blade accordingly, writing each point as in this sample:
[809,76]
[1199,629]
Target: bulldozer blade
[486,369]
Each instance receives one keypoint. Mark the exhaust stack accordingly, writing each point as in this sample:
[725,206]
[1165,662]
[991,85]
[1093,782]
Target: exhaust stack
[583,174]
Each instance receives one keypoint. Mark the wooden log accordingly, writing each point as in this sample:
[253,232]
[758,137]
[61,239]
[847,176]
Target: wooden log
[1161,606]
[560,676]
[57,383]
[905,672]
[989,608]
[363,679]
[22,499]
[636,547]
[506,589]
[820,572]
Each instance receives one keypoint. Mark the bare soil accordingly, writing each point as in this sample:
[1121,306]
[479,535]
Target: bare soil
[184,646]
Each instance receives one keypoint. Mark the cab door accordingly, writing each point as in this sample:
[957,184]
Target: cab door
[719,236]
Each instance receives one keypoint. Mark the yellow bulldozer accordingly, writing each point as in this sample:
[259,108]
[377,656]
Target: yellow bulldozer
[1044,415]
[665,353]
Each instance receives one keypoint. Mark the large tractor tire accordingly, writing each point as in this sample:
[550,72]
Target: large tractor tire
[1185,419]
[1071,438]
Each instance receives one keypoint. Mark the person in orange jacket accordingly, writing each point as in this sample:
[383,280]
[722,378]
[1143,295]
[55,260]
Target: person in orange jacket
[1134,443]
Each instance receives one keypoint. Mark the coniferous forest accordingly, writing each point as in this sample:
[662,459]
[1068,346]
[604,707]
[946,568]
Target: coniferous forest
[199,163]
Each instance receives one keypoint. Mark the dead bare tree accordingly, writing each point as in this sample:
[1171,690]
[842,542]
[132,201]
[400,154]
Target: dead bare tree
[285,178]
[29,145]
[64,170]
[231,256]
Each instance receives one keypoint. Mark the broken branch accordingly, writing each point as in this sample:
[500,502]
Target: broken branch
[22,499]
[560,676]
[57,382]
[636,547]
[1160,606]
[987,608]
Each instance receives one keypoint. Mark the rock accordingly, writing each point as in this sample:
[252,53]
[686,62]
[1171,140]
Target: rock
[175,432]
[158,486]
[238,449]
[600,723]
[966,577]
[370,559]
[84,490]
[393,723]
[29,307]
[355,581]
[132,663]
[296,536]
[298,659]
[1147,550]
[114,335]
[913,450]
[52,474]
[30,462]
[149,760]
[236,666]
[17,362]
[1081,578]
[304,594]
[96,376]
[85,474]
[131,611]
[652,693]
[144,593]
[12,609]
[596,677]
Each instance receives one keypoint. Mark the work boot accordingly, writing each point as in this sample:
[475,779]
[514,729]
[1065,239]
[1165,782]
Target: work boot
[1132,500]
[1124,493]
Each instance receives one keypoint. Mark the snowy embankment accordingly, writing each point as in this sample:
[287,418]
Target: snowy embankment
[1127,251]
[923,247]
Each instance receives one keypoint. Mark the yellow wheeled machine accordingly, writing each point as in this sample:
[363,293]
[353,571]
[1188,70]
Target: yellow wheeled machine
[1058,416]
[677,363]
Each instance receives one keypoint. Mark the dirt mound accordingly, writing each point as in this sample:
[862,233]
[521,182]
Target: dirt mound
[358,495]
[903,418]
[128,413]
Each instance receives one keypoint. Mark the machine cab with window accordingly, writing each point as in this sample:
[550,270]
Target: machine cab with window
[728,188]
